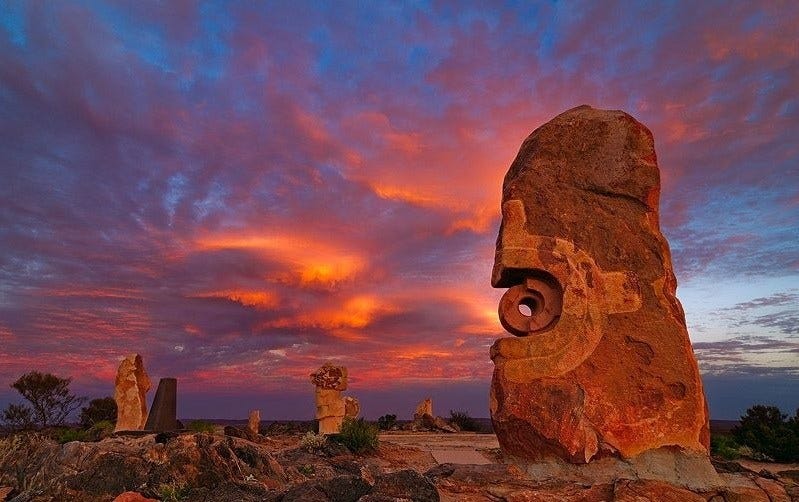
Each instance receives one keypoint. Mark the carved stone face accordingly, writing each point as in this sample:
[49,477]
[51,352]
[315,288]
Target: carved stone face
[600,362]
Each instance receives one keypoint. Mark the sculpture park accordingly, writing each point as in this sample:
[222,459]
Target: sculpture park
[438,251]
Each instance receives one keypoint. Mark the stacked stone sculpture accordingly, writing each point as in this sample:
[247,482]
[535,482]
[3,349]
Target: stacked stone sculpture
[331,408]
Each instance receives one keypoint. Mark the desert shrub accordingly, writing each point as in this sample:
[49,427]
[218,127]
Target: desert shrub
[312,441]
[724,446]
[101,429]
[50,400]
[387,422]
[99,410]
[173,492]
[201,426]
[359,436]
[769,432]
[67,435]
[463,420]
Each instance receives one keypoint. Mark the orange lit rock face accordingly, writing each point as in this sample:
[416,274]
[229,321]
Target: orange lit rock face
[130,393]
[601,364]
[424,407]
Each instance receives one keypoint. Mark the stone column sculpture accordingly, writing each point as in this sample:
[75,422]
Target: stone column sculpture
[163,415]
[330,381]
[130,393]
[600,365]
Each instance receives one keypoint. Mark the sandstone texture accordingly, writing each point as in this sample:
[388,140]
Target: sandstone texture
[130,393]
[254,422]
[331,408]
[601,364]
[424,407]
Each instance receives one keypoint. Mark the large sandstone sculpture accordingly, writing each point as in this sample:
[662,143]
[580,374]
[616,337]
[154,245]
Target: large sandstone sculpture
[130,393]
[601,364]
[331,407]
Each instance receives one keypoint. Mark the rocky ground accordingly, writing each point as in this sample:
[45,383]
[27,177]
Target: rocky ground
[221,467]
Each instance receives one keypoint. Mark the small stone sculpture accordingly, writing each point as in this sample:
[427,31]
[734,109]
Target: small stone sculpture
[352,408]
[424,407]
[130,393]
[600,364]
[254,422]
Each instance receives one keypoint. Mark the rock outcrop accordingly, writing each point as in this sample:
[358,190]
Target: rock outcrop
[601,364]
[130,393]
[330,380]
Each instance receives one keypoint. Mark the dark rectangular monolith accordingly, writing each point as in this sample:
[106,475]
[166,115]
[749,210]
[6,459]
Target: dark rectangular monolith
[163,413]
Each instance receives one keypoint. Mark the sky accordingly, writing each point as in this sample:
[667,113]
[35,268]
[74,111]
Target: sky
[241,192]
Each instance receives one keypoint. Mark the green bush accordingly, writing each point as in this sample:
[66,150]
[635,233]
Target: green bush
[359,436]
[769,432]
[387,422]
[464,421]
[67,435]
[101,429]
[202,426]
[724,446]
[99,410]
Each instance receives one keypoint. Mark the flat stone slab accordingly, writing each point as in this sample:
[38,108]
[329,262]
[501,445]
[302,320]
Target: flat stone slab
[456,448]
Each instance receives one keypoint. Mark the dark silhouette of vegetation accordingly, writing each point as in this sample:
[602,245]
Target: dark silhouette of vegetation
[201,426]
[768,431]
[387,422]
[359,436]
[463,420]
[50,400]
[18,417]
[99,410]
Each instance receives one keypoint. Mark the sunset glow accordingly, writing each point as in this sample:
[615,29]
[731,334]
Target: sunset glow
[241,193]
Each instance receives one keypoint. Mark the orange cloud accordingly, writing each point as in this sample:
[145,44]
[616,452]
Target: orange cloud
[313,262]
[247,298]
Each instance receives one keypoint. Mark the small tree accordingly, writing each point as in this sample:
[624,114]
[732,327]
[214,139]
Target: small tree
[99,410]
[767,430]
[49,396]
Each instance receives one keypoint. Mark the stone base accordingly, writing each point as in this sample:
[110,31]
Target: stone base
[330,425]
[679,468]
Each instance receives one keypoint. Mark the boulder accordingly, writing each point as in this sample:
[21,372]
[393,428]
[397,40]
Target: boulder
[133,497]
[600,364]
[130,393]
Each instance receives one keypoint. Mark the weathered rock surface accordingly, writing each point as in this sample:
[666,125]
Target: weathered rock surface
[601,365]
[330,380]
[217,468]
[130,393]
[425,407]
[133,497]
